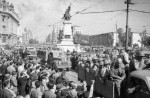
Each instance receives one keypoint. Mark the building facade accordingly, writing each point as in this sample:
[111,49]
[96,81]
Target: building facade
[9,24]
[135,38]
[111,39]
[26,36]
[76,29]
[55,34]
[107,39]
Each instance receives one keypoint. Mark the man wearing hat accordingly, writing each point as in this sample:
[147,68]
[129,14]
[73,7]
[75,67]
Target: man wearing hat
[105,71]
[147,63]
[137,63]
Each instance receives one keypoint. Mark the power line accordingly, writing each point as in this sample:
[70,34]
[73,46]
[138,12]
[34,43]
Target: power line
[78,12]
[139,11]
[110,19]
[103,12]
[142,2]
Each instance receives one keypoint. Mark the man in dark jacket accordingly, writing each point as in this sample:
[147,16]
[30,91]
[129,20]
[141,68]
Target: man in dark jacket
[6,92]
[22,83]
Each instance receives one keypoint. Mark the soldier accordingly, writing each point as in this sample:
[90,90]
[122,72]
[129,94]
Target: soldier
[137,63]
[105,71]
[125,59]
[117,73]
[147,63]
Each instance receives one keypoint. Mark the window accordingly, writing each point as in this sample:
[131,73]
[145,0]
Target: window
[4,39]
[3,18]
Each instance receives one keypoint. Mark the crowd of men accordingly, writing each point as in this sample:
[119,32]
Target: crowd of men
[114,66]
[29,78]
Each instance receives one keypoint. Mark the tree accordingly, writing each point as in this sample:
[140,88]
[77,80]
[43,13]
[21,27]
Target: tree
[146,40]
[33,41]
[81,39]
[121,37]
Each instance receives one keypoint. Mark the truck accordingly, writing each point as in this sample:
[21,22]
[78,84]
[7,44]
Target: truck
[61,60]
[31,51]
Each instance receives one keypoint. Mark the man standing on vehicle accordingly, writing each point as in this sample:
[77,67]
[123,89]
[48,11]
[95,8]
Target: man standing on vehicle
[50,59]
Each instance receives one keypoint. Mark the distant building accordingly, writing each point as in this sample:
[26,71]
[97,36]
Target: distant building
[9,24]
[26,36]
[111,39]
[55,34]
[76,29]
[135,38]
[106,39]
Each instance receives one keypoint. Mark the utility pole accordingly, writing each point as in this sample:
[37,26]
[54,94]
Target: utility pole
[128,2]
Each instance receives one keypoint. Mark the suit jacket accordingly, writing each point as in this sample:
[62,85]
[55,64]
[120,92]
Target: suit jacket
[49,94]
[5,93]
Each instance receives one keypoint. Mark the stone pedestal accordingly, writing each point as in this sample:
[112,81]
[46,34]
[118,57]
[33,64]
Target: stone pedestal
[67,41]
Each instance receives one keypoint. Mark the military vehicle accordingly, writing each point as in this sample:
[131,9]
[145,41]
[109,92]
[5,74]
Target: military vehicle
[61,60]
[31,51]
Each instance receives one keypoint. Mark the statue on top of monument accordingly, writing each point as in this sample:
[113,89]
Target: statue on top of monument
[67,15]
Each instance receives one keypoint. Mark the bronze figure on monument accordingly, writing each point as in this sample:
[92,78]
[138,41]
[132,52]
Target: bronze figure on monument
[67,15]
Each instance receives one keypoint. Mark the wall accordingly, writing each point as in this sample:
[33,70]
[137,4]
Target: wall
[136,39]
[106,39]
[9,24]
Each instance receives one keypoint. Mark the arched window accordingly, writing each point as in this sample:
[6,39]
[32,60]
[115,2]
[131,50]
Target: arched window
[4,39]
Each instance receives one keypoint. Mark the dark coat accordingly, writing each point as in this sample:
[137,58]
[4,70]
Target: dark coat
[4,93]
[22,83]
[49,94]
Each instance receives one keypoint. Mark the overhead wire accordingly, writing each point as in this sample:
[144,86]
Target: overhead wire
[110,19]
[139,11]
[78,12]
[103,12]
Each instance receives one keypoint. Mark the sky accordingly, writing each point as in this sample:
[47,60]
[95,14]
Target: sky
[37,15]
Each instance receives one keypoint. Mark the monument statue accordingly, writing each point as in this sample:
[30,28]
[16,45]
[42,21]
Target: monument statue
[67,15]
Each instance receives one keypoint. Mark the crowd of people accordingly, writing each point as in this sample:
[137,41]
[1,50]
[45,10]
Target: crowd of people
[114,66]
[29,78]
